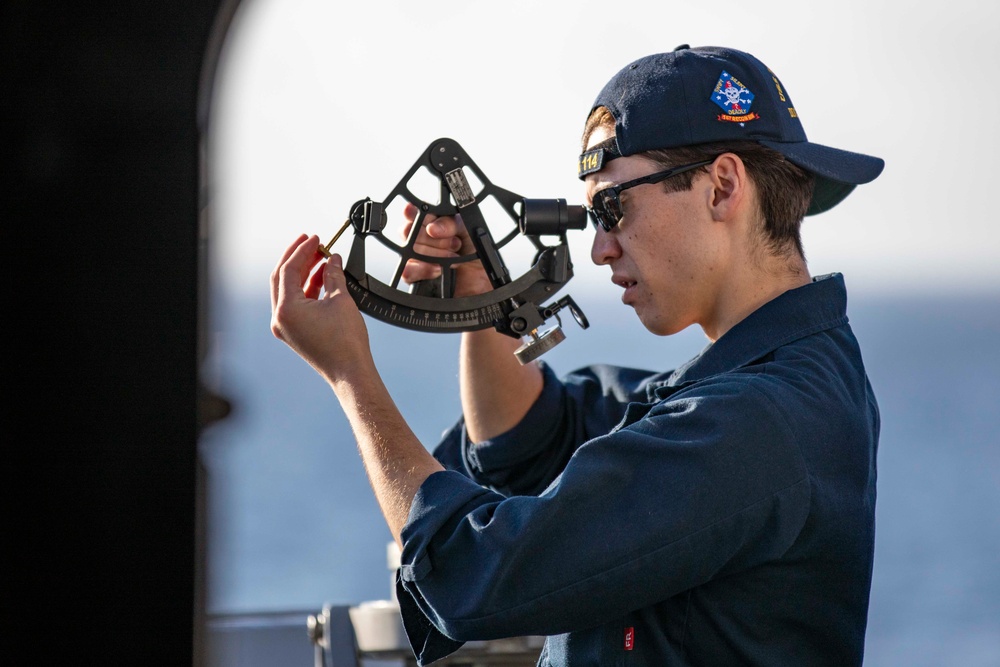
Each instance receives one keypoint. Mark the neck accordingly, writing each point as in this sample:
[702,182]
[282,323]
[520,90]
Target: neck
[749,286]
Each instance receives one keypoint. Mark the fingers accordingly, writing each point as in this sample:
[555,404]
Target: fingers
[334,281]
[444,228]
[410,212]
[435,234]
[438,237]
[415,271]
[315,282]
[433,228]
[290,249]
[422,270]
[292,273]
[276,273]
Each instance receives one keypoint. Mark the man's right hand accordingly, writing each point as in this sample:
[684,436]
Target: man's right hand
[444,237]
[496,390]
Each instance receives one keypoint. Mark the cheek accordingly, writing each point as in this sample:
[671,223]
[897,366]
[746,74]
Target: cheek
[653,253]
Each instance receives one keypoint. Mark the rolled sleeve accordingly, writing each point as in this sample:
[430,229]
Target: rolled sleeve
[525,460]
[442,499]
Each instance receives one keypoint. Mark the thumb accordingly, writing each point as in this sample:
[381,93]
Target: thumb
[333,275]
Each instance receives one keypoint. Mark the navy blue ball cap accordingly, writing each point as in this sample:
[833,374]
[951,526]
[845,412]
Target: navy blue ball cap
[699,95]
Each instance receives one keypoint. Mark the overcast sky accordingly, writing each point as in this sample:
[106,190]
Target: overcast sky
[319,104]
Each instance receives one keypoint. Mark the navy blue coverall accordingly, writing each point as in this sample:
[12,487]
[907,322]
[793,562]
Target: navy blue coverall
[719,514]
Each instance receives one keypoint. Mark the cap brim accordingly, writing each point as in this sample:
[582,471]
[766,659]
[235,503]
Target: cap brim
[837,171]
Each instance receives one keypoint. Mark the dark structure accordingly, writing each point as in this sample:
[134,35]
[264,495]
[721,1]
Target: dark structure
[103,108]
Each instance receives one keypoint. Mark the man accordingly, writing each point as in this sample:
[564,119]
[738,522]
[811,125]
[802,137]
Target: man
[719,514]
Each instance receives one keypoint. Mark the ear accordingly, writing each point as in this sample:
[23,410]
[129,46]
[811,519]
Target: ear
[729,194]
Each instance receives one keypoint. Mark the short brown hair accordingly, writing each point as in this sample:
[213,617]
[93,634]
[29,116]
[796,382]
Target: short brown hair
[784,190]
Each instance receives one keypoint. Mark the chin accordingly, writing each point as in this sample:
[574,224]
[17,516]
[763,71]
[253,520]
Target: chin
[662,327]
[657,328]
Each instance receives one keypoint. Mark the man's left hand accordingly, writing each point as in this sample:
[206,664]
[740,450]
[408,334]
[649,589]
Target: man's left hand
[312,312]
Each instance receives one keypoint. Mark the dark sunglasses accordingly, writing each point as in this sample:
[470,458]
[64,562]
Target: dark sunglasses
[607,207]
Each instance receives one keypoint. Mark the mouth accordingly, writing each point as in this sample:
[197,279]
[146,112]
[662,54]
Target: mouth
[627,284]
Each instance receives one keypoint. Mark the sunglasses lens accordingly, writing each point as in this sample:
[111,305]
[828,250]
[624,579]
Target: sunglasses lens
[607,209]
[594,220]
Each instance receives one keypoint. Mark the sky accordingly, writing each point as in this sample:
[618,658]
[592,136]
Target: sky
[317,105]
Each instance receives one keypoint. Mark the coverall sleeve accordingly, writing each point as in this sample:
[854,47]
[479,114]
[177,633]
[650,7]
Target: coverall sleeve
[525,460]
[680,491]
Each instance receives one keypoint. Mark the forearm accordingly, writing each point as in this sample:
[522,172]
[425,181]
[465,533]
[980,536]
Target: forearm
[394,459]
[329,333]
[496,390]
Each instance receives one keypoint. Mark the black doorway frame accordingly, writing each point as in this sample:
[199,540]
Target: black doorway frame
[103,108]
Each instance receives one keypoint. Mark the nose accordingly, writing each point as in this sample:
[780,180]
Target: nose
[605,248]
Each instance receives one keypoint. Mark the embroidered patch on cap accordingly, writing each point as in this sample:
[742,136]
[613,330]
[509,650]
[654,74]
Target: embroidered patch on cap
[734,98]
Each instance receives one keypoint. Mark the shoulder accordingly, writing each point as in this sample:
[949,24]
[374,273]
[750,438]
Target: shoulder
[620,383]
[740,405]
[796,404]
